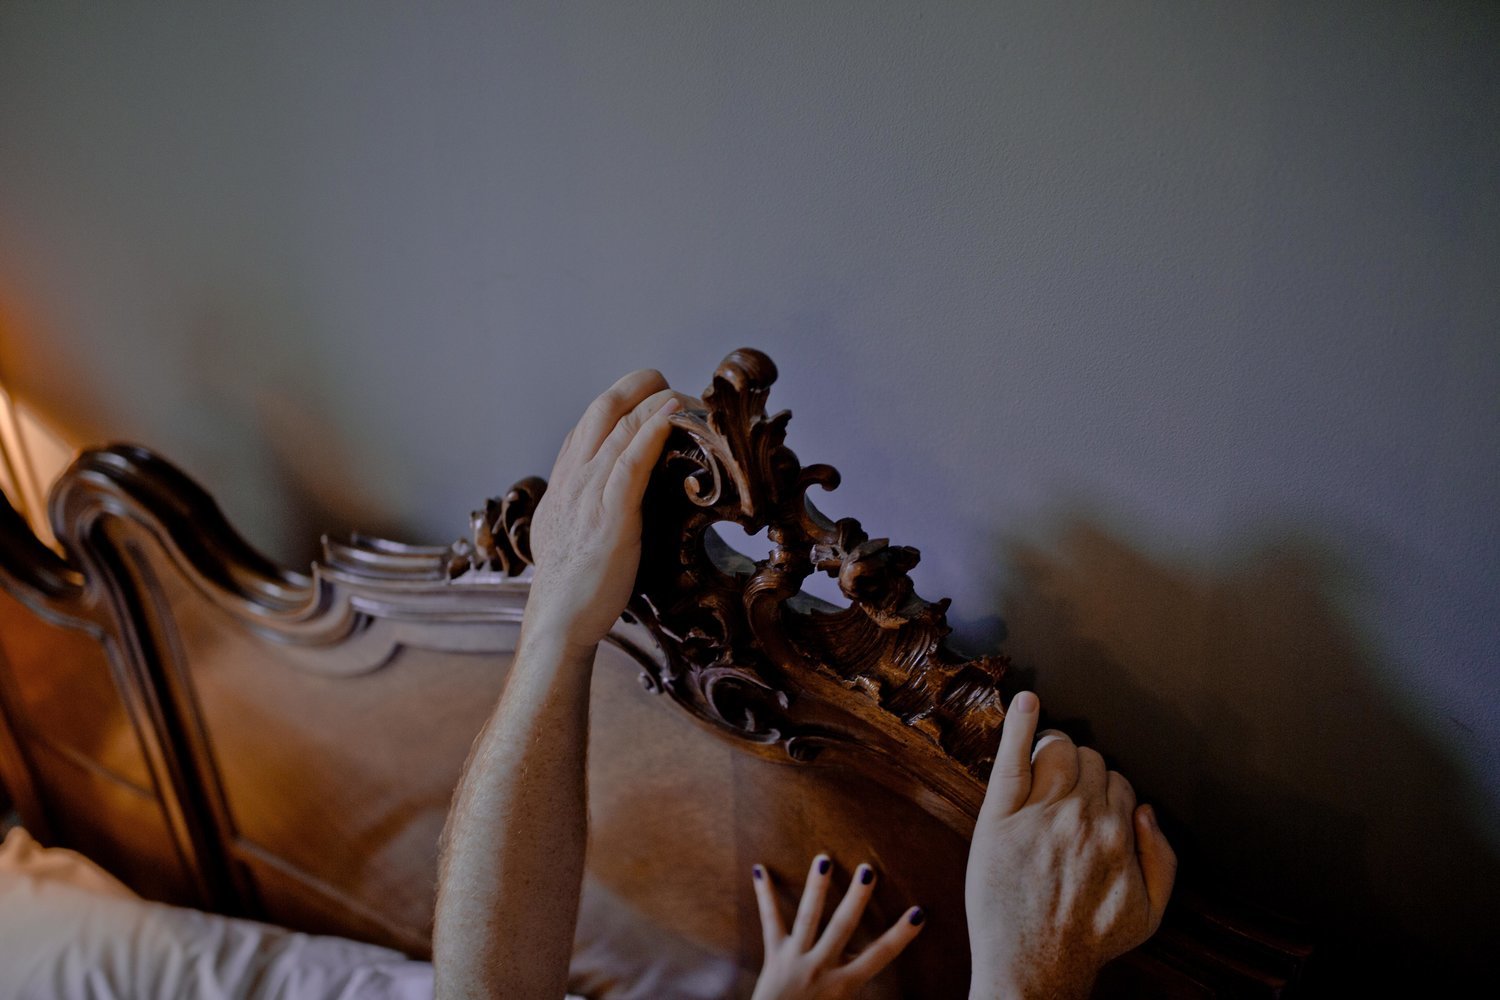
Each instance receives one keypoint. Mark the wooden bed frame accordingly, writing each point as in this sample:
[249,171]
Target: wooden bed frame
[224,733]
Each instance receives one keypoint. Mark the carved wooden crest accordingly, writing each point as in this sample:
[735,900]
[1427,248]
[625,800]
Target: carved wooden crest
[741,644]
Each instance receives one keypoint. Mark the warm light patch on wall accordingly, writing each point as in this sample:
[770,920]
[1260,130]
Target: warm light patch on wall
[32,456]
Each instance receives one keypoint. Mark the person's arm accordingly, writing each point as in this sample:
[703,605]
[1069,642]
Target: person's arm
[512,861]
[1065,871]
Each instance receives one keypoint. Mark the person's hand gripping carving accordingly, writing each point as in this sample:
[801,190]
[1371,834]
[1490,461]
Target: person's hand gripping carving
[1066,871]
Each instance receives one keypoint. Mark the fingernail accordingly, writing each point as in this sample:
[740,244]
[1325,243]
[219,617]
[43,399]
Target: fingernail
[866,874]
[916,916]
[671,406]
[823,866]
[758,872]
[1150,815]
[1024,702]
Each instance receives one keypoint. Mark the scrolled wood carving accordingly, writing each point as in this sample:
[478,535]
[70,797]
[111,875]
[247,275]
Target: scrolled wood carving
[740,643]
[500,534]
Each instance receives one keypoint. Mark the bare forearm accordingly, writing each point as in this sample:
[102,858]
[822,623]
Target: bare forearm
[512,866]
[513,861]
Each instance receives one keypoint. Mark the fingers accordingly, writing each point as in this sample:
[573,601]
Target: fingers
[1054,767]
[605,411]
[624,429]
[885,948]
[810,910]
[1010,779]
[824,958]
[845,919]
[1093,776]
[772,929]
[1120,794]
[1158,862]
[626,484]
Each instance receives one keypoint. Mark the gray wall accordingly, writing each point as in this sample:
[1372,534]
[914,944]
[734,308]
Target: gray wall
[1167,331]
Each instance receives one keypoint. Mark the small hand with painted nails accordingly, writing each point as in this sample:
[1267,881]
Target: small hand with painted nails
[1066,870]
[800,964]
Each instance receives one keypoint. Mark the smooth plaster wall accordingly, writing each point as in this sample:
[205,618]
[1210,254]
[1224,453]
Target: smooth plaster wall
[1167,331]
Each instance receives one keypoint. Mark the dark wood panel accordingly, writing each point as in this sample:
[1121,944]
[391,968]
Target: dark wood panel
[64,688]
[389,748]
[18,783]
[294,898]
[114,824]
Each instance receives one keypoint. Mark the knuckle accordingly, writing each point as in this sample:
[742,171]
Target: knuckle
[606,401]
[1113,835]
[1009,772]
[1051,741]
[1069,813]
[1043,750]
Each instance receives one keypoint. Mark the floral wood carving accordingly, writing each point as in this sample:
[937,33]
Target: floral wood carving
[742,647]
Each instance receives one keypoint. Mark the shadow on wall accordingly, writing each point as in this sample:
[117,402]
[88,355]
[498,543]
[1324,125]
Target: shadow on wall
[1242,702]
[315,479]
[263,403]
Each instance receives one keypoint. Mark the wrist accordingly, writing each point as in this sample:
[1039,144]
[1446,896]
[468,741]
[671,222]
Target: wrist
[546,640]
[561,612]
[1036,983]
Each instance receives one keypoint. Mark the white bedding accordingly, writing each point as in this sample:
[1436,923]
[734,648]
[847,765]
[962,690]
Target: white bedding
[69,931]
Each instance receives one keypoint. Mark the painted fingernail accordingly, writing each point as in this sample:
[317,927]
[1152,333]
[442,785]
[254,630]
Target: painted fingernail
[916,916]
[823,865]
[866,874]
[758,872]
[1024,702]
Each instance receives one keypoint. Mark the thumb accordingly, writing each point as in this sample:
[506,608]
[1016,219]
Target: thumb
[1158,862]
[1010,778]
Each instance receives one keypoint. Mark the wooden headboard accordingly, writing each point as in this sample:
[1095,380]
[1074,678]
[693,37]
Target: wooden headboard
[225,733]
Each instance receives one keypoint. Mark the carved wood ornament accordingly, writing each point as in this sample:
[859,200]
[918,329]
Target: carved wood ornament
[741,646]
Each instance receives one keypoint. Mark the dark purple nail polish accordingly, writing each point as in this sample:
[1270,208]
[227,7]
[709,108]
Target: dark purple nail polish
[917,916]
[866,875]
[758,872]
[823,865]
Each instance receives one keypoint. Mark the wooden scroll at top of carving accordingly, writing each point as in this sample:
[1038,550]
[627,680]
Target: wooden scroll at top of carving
[742,648]
[739,636]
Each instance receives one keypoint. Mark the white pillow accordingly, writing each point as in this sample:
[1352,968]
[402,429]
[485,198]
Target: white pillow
[69,931]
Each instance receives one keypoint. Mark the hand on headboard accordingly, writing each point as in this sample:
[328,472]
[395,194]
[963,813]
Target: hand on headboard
[1066,871]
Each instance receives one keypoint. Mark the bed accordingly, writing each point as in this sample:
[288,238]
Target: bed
[226,734]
